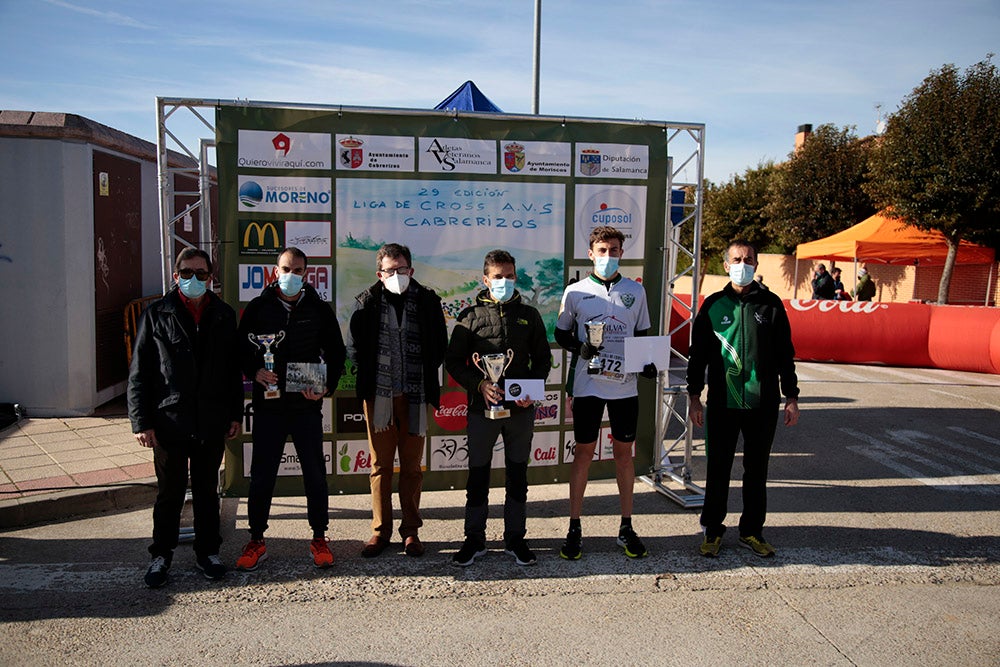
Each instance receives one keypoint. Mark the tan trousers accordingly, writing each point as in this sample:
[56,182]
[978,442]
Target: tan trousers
[383,447]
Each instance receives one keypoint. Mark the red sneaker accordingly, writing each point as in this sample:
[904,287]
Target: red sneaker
[254,553]
[322,556]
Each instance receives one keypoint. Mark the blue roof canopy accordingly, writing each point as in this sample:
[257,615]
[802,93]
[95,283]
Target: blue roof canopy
[468,97]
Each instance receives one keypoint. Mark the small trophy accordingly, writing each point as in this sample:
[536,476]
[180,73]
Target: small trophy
[493,368]
[266,341]
[595,336]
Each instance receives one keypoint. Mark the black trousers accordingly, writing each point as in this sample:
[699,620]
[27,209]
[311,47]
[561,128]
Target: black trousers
[723,427]
[170,460]
[270,431]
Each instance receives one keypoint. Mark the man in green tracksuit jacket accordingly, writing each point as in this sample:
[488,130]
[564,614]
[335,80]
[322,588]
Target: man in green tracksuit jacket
[742,335]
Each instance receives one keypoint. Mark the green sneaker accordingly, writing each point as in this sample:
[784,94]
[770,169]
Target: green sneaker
[571,548]
[628,540]
[758,546]
[711,546]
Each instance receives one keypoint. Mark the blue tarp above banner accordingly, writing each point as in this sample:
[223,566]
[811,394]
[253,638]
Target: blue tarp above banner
[468,97]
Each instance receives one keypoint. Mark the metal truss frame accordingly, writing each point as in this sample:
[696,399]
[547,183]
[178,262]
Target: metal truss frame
[201,172]
[686,151]
[670,474]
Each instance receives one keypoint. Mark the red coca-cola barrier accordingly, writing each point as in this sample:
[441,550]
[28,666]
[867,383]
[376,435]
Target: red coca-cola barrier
[965,338]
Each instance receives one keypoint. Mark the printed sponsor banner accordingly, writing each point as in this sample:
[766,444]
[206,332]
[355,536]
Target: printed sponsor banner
[569,448]
[255,277]
[327,415]
[247,416]
[559,360]
[280,194]
[266,149]
[354,458]
[452,413]
[368,152]
[394,179]
[449,227]
[612,160]
[536,158]
[450,452]
[544,449]
[351,415]
[290,466]
[313,237]
[450,155]
[320,276]
[547,410]
[260,237]
[621,206]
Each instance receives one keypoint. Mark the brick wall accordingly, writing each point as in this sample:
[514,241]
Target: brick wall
[895,284]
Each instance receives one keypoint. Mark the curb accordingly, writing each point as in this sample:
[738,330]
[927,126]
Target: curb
[75,503]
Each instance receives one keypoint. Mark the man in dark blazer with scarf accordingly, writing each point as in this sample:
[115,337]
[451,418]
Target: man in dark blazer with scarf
[396,340]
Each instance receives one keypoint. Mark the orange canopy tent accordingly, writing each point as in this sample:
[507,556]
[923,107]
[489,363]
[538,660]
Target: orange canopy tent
[890,241]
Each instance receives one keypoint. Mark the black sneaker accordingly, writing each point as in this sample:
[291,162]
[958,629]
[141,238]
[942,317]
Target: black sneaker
[521,553]
[571,547]
[469,552]
[156,575]
[212,567]
[634,548]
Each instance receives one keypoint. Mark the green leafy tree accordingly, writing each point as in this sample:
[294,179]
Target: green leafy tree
[818,191]
[937,166]
[736,209]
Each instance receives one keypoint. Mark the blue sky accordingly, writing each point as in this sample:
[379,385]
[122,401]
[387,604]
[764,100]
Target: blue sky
[751,71]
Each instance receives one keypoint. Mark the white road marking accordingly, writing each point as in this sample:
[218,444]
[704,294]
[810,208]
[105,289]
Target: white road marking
[897,459]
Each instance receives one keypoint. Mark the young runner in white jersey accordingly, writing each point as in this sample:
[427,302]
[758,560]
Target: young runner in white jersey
[620,303]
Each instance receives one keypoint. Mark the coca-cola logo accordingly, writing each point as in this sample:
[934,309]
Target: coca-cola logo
[825,306]
[453,413]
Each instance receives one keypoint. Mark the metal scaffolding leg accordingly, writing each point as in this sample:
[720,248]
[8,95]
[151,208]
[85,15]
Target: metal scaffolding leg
[673,464]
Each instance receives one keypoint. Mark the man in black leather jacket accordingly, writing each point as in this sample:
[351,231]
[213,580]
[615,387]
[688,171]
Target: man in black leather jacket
[185,397]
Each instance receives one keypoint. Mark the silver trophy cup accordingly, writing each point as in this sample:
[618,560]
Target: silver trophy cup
[493,368]
[265,341]
[595,336]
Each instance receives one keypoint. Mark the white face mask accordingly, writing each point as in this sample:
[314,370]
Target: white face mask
[397,283]
[741,274]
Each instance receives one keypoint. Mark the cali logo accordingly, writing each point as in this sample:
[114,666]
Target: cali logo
[628,300]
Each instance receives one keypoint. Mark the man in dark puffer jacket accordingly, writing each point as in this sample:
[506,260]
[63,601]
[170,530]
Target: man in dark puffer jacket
[311,333]
[499,321]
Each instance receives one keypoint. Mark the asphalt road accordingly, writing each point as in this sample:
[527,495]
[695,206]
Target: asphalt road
[884,508]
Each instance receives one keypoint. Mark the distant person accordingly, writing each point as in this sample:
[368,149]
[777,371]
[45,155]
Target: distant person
[741,335]
[760,281]
[185,398]
[864,290]
[822,284]
[311,335]
[498,322]
[605,295]
[838,286]
[396,339]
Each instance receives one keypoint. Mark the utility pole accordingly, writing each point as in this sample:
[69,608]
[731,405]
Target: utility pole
[538,55]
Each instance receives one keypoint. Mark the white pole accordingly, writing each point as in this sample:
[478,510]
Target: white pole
[537,61]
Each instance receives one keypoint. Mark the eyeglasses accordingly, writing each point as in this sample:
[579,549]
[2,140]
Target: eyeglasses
[401,270]
[186,274]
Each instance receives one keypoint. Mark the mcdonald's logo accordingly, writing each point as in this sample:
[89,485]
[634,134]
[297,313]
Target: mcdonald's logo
[260,238]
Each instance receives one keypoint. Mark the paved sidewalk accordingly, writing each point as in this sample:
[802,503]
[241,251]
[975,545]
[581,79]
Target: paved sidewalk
[67,466]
